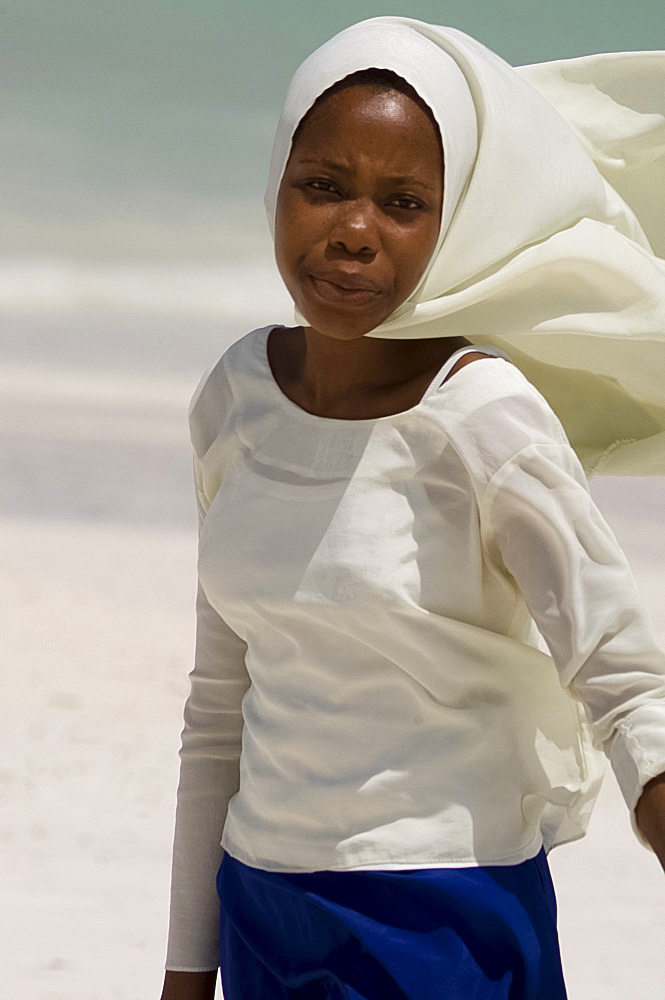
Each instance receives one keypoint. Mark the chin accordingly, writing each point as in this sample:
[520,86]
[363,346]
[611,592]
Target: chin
[341,335]
[338,327]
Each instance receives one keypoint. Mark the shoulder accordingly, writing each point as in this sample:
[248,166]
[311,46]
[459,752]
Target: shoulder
[213,397]
[494,413]
[465,360]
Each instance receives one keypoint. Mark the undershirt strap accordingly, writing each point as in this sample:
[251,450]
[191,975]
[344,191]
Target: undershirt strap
[446,368]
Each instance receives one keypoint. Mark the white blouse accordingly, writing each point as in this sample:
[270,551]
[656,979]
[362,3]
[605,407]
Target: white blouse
[368,690]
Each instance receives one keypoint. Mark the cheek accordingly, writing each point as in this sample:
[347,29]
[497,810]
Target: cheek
[301,236]
[415,256]
[282,217]
[287,250]
[293,226]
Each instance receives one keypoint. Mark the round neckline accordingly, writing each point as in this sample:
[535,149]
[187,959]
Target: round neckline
[303,414]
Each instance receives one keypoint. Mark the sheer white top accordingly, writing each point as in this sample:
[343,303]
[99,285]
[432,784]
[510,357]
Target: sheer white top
[368,689]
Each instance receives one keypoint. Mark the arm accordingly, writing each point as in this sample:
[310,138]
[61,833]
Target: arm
[650,815]
[550,536]
[209,777]
[189,986]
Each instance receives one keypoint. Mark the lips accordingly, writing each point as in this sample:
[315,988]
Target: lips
[344,287]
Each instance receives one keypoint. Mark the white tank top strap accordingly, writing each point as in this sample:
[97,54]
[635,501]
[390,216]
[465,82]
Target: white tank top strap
[446,368]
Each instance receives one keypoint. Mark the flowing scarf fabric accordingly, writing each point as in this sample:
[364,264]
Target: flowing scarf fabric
[552,225]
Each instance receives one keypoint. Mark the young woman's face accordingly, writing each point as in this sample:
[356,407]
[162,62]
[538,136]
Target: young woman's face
[358,209]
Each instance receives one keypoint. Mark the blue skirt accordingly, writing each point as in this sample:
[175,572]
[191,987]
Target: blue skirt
[461,934]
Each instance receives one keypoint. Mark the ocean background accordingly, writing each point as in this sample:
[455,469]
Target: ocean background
[135,140]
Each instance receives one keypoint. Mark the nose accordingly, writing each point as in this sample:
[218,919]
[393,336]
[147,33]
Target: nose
[355,227]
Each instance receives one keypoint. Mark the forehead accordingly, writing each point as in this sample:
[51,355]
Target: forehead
[363,100]
[367,114]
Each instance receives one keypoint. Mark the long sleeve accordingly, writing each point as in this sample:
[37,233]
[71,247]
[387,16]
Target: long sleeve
[209,774]
[542,524]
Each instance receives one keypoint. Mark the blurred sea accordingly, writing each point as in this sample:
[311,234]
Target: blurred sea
[141,131]
[136,140]
[133,244]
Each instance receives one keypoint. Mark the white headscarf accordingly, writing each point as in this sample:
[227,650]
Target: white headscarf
[540,251]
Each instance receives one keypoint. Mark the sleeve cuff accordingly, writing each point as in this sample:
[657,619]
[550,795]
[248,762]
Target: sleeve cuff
[637,754]
[181,968]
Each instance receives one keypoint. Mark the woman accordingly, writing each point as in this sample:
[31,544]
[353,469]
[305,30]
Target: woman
[388,505]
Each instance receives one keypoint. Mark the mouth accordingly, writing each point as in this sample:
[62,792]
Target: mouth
[338,287]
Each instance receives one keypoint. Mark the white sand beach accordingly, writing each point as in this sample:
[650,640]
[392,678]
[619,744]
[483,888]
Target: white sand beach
[98,540]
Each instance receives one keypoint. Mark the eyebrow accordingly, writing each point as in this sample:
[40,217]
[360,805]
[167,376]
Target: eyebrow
[399,180]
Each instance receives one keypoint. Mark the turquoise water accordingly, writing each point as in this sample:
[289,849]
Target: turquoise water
[139,130]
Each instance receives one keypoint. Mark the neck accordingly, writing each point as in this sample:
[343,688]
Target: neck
[352,379]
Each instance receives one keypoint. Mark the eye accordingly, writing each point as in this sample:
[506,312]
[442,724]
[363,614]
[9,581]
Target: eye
[406,201]
[321,185]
